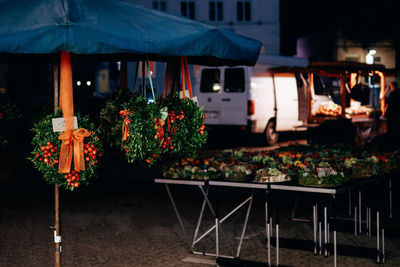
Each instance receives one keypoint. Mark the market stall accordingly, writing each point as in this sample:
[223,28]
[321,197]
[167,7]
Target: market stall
[342,90]
[63,31]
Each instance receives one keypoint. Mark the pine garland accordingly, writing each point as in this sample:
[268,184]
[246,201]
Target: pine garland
[46,151]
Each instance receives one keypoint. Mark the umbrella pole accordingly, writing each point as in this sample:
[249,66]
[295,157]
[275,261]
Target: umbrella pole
[57,227]
[57,236]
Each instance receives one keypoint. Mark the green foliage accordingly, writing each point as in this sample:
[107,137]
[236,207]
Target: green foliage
[141,144]
[10,117]
[110,120]
[45,140]
[181,131]
[185,126]
[9,111]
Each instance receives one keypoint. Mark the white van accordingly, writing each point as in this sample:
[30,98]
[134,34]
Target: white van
[256,98]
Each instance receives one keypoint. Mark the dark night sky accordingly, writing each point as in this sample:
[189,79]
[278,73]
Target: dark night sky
[364,21]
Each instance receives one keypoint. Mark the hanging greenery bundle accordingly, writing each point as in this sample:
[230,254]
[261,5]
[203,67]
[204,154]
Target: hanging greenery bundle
[47,146]
[110,119]
[142,130]
[10,117]
[184,128]
[168,126]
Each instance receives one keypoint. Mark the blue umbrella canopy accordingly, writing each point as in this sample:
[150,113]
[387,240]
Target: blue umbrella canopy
[114,27]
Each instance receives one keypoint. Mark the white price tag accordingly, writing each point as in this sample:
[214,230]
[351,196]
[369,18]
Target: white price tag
[181,93]
[57,238]
[194,99]
[59,125]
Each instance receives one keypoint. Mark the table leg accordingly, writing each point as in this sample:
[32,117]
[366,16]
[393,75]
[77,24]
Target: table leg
[355,220]
[383,245]
[269,244]
[315,230]
[377,237]
[245,224]
[266,219]
[320,238]
[277,244]
[390,198]
[369,223]
[216,216]
[349,202]
[196,232]
[178,216]
[366,220]
[334,222]
[329,234]
[325,231]
[216,237]
[334,249]
[359,212]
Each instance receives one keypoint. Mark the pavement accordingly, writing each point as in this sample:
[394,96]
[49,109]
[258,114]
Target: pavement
[125,219]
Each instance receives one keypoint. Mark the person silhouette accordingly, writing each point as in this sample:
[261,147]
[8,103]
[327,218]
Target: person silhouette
[392,113]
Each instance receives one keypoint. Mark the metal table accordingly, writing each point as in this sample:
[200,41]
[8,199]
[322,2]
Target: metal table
[319,247]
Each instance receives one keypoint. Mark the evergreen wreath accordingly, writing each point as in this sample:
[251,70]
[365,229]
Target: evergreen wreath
[46,151]
[184,127]
[143,130]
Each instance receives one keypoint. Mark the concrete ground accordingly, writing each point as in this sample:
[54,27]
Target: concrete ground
[125,219]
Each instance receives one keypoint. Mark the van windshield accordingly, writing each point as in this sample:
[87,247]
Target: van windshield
[319,86]
[234,80]
[210,81]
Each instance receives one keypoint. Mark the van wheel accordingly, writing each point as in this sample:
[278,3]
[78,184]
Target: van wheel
[271,136]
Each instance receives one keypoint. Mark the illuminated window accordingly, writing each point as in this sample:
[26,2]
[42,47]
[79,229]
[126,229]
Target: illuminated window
[187,9]
[243,9]
[216,11]
[160,5]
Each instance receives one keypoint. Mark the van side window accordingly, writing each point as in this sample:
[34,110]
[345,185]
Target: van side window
[234,80]
[210,81]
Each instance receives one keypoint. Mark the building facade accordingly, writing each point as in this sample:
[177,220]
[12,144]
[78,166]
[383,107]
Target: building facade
[257,19]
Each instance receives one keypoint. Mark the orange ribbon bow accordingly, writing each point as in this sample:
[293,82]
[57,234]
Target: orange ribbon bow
[72,143]
[160,130]
[125,124]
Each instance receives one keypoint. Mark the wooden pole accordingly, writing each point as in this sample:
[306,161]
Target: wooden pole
[382,92]
[343,94]
[57,235]
[310,87]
